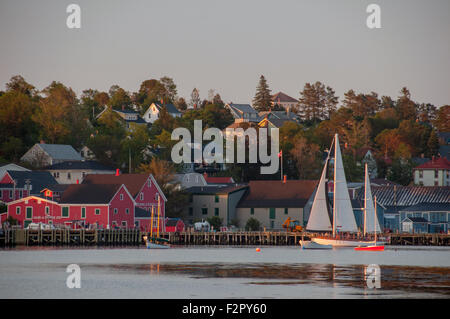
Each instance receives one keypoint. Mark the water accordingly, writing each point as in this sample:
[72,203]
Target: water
[224,272]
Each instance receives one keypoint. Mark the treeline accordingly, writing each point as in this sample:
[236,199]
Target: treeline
[395,129]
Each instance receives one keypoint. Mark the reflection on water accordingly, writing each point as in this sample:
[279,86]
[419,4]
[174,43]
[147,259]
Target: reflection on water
[435,280]
[212,272]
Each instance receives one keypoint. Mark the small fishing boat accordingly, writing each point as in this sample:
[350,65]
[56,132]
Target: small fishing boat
[155,242]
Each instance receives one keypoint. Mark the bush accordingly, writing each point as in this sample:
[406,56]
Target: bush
[252,224]
[215,222]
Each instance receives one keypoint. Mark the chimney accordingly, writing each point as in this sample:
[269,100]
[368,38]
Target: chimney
[284,179]
[117,172]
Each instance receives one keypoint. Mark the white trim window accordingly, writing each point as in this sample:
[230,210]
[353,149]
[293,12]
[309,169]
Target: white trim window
[141,196]
[121,196]
[115,211]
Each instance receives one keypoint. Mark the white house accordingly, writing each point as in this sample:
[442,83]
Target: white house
[284,100]
[152,113]
[71,172]
[433,173]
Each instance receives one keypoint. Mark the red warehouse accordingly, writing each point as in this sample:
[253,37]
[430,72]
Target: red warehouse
[145,191]
[105,206]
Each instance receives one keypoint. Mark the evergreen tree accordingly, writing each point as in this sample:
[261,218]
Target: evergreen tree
[432,144]
[263,99]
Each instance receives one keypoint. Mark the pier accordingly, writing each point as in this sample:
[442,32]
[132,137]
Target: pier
[132,237]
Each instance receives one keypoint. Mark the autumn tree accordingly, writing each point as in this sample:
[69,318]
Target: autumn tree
[307,158]
[170,87]
[406,108]
[263,98]
[442,121]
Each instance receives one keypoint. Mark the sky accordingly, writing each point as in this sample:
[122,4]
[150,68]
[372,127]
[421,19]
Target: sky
[227,45]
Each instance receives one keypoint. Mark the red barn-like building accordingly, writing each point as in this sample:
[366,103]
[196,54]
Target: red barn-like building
[146,193]
[174,225]
[106,206]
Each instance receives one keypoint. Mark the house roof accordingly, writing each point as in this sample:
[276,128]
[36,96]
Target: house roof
[271,193]
[75,165]
[218,180]
[243,108]
[282,115]
[282,97]
[428,207]
[214,190]
[169,107]
[39,180]
[61,152]
[444,151]
[171,222]
[408,195]
[436,163]
[89,193]
[126,111]
[275,122]
[133,182]
[417,219]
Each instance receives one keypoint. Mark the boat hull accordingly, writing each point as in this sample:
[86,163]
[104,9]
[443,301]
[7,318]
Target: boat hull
[370,248]
[343,243]
[313,245]
[157,246]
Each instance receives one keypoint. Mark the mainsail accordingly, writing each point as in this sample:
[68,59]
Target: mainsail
[369,210]
[319,219]
[344,219]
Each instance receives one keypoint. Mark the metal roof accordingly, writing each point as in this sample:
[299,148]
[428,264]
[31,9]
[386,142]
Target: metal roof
[61,151]
[71,165]
[428,207]
[408,195]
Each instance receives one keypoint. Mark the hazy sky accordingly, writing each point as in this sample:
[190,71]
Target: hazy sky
[227,45]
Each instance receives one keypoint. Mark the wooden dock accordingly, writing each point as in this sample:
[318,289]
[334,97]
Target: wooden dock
[131,237]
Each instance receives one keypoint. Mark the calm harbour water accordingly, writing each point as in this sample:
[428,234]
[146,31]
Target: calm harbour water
[224,272]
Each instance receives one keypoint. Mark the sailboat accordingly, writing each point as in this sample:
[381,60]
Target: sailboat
[156,242]
[341,219]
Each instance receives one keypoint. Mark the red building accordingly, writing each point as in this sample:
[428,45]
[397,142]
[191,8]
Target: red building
[174,225]
[105,206]
[18,184]
[146,193]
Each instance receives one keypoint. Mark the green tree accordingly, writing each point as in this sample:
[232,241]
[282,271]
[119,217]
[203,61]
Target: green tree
[263,99]
[432,144]
[215,222]
[171,89]
[120,100]
[317,102]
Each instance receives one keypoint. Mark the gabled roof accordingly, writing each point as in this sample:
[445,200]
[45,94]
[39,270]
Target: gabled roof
[39,180]
[89,193]
[282,97]
[243,108]
[436,163]
[126,111]
[272,193]
[73,165]
[416,219]
[169,107]
[133,182]
[274,121]
[61,152]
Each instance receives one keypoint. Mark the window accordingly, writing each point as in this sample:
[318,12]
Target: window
[83,212]
[127,211]
[149,183]
[29,212]
[191,211]
[69,176]
[204,211]
[124,223]
[18,210]
[421,174]
[272,224]
[136,224]
[10,194]
[121,196]
[115,211]
[272,213]
[216,198]
[252,211]
[141,196]
[286,210]
[47,210]
[20,194]
[436,173]
[156,196]
[65,212]
[97,211]
[216,211]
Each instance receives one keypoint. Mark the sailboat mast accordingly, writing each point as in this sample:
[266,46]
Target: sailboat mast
[334,186]
[151,223]
[158,220]
[376,220]
[365,201]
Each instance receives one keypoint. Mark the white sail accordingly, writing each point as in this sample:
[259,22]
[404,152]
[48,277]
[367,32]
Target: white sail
[344,219]
[369,210]
[319,219]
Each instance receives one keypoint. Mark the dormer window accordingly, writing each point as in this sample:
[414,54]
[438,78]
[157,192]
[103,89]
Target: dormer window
[141,196]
